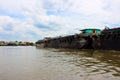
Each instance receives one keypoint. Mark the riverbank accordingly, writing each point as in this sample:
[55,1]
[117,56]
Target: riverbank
[16,43]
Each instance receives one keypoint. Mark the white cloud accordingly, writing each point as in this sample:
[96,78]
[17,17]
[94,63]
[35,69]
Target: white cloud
[69,16]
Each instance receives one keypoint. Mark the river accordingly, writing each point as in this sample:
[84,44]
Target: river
[30,63]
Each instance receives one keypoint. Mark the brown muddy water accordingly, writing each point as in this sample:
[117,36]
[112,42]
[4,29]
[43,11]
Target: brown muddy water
[29,63]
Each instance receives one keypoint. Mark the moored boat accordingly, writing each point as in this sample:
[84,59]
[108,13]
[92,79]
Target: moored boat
[77,41]
[107,39]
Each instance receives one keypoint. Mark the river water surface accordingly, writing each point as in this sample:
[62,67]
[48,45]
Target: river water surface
[30,63]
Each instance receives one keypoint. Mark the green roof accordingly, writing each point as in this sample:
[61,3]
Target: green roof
[90,31]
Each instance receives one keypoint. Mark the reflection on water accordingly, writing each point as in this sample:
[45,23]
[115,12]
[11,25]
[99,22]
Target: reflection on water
[29,63]
[93,63]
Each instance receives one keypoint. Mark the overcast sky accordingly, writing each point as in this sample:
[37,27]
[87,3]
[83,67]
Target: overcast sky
[31,20]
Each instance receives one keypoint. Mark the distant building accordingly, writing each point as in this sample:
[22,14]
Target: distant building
[2,43]
[16,43]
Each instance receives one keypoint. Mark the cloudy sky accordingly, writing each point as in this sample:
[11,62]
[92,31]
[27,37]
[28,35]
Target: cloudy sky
[31,20]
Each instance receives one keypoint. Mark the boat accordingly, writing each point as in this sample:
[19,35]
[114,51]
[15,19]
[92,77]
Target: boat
[107,39]
[82,40]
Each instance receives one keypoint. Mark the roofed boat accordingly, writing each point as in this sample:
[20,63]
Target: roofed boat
[82,40]
[107,39]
